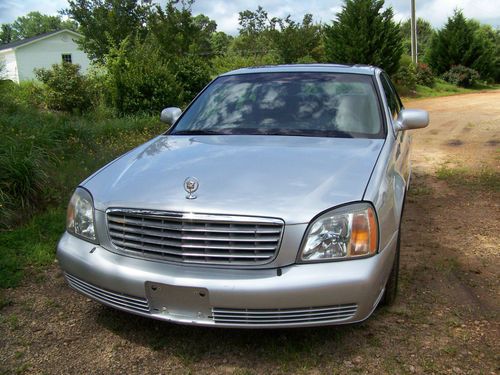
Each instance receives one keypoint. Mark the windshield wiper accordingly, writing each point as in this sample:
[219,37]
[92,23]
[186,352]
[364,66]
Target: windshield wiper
[197,132]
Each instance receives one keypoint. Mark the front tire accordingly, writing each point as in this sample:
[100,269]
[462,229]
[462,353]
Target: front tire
[391,287]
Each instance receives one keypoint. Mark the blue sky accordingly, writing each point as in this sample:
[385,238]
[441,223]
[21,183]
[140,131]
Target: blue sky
[225,12]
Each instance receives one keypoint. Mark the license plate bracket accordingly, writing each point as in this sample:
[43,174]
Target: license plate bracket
[180,302]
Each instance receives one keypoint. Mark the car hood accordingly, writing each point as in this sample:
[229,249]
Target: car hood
[292,178]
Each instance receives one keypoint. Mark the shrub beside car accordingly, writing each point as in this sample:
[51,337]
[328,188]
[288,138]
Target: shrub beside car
[424,75]
[461,76]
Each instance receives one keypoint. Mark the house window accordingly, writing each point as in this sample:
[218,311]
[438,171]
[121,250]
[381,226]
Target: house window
[66,57]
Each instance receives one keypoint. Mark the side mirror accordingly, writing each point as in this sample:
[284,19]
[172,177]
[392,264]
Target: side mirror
[412,119]
[170,115]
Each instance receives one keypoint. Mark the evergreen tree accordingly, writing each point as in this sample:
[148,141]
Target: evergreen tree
[463,42]
[451,45]
[364,33]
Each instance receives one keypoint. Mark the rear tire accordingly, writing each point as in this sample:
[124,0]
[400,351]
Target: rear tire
[391,287]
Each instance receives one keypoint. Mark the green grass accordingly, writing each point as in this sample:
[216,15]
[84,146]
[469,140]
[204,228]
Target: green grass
[443,88]
[31,245]
[483,179]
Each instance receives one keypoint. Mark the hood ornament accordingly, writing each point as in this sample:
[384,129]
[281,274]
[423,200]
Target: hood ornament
[191,184]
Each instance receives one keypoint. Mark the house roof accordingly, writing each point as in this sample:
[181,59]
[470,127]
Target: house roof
[23,42]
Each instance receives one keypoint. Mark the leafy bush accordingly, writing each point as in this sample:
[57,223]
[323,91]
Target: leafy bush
[192,75]
[139,80]
[66,89]
[424,75]
[235,60]
[406,76]
[461,76]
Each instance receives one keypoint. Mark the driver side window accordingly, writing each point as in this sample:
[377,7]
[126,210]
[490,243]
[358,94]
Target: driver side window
[392,98]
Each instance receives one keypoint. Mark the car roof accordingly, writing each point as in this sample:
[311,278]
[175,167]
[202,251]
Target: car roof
[295,68]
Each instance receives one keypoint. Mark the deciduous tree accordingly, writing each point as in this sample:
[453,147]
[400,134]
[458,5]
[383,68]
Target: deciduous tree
[32,24]
[424,36]
[106,23]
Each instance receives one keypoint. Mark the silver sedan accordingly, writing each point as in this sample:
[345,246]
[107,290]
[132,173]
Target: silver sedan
[274,200]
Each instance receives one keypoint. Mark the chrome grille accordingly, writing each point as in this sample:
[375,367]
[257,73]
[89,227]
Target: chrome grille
[284,316]
[194,238]
[108,297]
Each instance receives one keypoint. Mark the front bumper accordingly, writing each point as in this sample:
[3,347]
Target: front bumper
[293,296]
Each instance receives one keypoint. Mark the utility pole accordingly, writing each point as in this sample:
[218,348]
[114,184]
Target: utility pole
[413,33]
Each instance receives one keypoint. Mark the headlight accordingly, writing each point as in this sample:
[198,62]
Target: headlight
[80,216]
[347,232]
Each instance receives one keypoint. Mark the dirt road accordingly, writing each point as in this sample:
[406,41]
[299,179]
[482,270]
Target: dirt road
[446,318]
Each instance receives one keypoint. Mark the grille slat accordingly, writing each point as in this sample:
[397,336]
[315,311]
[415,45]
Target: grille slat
[175,236]
[173,252]
[340,309]
[165,241]
[205,239]
[273,316]
[106,296]
[187,228]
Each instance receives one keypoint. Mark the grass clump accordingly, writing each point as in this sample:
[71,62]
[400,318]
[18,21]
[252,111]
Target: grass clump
[443,88]
[484,179]
[30,245]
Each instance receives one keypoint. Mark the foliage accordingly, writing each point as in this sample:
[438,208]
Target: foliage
[406,76]
[291,41]
[106,23]
[296,40]
[234,60]
[178,33]
[424,36]
[463,42]
[461,76]
[65,88]
[139,85]
[192,75]
[34,23]
[487,40]
[424,75]
[44,155]
[363,33]
[220,42]
[23,177]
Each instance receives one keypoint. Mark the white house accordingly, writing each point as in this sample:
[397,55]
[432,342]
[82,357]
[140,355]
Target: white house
[23,56]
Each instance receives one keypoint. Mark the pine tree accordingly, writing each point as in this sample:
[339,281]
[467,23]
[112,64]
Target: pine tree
[463,42]
[364,33]
[451,45]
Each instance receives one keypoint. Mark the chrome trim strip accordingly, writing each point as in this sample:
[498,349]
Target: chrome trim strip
[107,296]
[283,316]
[197,217]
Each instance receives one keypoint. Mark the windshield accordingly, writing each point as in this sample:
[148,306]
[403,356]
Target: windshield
[301,104]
